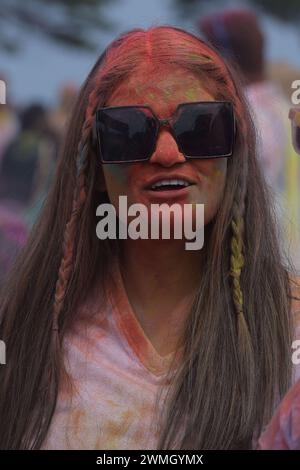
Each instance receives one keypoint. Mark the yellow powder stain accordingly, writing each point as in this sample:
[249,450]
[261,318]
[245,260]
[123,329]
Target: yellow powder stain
[112,403]
[76,420]
[113,431]
[192,94]
[168,93]
[217,173]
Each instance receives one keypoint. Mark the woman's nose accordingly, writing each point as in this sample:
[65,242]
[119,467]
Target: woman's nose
[166,152]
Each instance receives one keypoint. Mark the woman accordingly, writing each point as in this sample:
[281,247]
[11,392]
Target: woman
[142,343]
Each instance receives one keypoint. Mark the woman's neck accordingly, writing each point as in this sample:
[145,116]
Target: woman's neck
[160,278]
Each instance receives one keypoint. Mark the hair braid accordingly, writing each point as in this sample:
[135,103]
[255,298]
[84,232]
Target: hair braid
[237,261]
[79,198]
[237,258]
[237,224]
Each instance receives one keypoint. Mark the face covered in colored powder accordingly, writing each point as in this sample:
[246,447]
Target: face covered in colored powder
[163,92]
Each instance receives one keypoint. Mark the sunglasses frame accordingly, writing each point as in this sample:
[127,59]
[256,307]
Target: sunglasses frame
[167,123]
[294,116]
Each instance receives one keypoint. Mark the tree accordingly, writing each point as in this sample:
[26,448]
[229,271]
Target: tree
[288,10]
[68,22]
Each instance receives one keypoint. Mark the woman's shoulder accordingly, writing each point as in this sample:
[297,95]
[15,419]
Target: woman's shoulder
[283,432]
[295,317]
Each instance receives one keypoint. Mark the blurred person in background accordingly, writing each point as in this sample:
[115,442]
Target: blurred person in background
[28,164]
[59,116]
[9,123]
[13,236]
[283,432]
[238,35]
[13,230]
[283,74]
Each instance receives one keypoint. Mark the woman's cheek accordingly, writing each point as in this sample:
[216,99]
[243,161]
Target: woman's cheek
[211,189]
[116,172]
[216,190]
[116,180]
[212,202]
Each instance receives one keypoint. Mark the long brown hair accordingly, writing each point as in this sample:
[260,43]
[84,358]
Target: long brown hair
[237,338]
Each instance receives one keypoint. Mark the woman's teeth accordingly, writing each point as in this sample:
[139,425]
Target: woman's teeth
[170,184]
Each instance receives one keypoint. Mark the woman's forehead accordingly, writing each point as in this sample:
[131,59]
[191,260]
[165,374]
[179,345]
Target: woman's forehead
[165,88]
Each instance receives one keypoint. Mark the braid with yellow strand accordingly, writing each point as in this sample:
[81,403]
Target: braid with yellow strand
[237,261]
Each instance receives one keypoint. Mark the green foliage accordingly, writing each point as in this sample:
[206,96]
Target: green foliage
[69,22]
[288,10]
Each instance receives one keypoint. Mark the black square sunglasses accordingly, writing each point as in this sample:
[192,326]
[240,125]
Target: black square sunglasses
[128,134]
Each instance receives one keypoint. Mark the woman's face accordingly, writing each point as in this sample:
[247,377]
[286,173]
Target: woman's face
[163,91]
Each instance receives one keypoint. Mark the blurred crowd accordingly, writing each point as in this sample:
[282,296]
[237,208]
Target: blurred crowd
[30,137]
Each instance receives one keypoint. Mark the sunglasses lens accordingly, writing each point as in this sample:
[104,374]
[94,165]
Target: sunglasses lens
[125,134]
[205,129]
